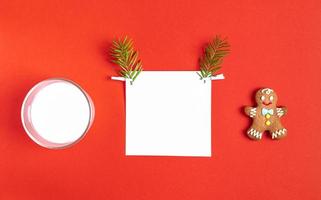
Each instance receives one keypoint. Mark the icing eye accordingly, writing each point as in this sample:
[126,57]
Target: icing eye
[271,98]
[262,98]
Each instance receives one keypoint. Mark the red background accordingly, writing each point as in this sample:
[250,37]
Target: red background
[274,43]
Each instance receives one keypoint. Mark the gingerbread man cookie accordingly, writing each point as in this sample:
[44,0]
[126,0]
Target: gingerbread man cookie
[266,116]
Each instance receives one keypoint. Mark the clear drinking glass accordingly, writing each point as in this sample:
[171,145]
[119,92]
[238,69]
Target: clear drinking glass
[57,113]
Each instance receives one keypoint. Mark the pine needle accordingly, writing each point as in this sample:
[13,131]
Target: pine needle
[213,56]
[126,57]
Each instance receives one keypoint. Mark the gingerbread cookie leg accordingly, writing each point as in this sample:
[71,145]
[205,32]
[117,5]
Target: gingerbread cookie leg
[254,133]
[279,133]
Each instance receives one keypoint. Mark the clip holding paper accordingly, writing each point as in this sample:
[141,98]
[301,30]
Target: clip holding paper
[213,78]
[217,77]
[117,78]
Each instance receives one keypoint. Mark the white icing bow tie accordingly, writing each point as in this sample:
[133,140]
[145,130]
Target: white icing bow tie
[267,111]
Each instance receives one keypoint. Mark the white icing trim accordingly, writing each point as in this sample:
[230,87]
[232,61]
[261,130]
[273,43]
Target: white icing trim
[255,133]
[280,112]
[278,133]
[253,112]
[267,90]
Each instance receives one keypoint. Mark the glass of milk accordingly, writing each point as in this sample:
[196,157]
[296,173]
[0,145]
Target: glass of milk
[57,113]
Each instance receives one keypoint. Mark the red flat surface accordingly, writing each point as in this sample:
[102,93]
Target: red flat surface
[274,43]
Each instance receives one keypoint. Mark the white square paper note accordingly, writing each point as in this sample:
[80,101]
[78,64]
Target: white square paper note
[168,113]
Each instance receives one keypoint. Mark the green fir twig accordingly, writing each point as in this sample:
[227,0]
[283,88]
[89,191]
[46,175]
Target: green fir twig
[126,57]
[211,60]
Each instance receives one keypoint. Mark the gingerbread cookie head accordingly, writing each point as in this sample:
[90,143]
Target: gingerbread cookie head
[266,116]
[266,97]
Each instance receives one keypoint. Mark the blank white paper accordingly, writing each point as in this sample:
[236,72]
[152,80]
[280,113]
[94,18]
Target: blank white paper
[168,113]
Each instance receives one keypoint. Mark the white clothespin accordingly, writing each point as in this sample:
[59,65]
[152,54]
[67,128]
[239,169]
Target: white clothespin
[217,77]
[213,78]
[117,78]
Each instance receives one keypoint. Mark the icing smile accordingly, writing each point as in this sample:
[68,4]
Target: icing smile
[269,103]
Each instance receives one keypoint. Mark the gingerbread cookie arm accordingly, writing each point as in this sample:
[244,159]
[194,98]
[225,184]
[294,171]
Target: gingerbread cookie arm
[281,111]
[250,111]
